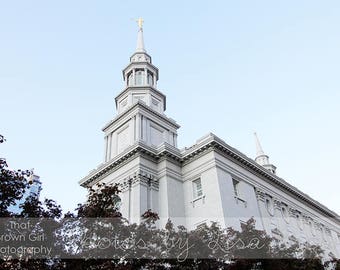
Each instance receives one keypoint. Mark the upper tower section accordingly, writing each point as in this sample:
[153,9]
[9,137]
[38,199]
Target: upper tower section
[140,107]
[140,79]
[261,158]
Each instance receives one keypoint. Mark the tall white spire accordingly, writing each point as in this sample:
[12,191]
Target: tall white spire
[259,150]
[140,39]
[261,158]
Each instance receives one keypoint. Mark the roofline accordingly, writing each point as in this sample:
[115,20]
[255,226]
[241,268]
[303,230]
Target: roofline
[210,141]
[249,163]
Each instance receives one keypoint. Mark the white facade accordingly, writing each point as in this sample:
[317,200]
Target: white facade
[210,181]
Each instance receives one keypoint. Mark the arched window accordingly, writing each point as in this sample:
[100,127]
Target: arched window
[150,79]
[139,77]
[130,79]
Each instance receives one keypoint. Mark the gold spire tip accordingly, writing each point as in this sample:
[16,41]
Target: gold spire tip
[140,22]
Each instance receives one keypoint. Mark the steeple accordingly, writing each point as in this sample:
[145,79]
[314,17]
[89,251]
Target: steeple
[140,77]
[259,150]
[261,158]
[140,107]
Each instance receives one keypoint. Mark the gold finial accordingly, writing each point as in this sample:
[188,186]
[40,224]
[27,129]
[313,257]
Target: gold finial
[140,22]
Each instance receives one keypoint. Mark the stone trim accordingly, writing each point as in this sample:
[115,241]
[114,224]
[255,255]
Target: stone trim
[292,213]
[139,177]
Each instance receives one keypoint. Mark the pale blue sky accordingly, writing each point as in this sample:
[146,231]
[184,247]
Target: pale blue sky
[227,67]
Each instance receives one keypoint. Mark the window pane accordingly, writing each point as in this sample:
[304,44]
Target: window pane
[130,79]
[197,188]
[235,185]
[139,77]
[150,81]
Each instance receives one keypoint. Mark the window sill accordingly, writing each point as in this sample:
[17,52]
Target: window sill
[195,200]
[240,200]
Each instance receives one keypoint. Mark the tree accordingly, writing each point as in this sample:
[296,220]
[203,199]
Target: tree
[13,185]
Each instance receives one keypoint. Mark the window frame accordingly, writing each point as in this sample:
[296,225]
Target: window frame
[236,185]
[197,193]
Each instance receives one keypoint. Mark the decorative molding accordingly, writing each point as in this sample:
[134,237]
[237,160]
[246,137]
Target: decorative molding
[277,204]
[269,205]
[195,200]
[277,232]
[240,200]
[284,213]
[260,195]
[292,212]
[305,218]
[140,177]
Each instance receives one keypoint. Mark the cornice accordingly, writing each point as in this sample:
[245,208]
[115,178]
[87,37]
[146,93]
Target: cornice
[146,87]
[212,141]
[207,144]
[141,64]
[107,168]
[140,177]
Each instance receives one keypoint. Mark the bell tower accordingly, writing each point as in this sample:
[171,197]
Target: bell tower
[140,107]
[261,158]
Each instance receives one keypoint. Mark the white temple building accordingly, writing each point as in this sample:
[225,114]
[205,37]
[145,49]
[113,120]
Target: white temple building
[209,181]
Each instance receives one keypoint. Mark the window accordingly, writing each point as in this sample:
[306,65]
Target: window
[197,188]
[130,79]
[150,79]
[139,77]
[236,187]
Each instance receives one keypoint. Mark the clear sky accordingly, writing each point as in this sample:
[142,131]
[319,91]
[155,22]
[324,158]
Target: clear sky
[227,67]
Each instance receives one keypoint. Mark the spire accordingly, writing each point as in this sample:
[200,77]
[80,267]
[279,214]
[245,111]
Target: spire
[140,39]
[261,158]
[259,150]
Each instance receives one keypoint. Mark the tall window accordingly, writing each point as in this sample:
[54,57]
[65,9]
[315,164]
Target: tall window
[139,77]
[130,79]
[150,80]
[236,187]
[197,188]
